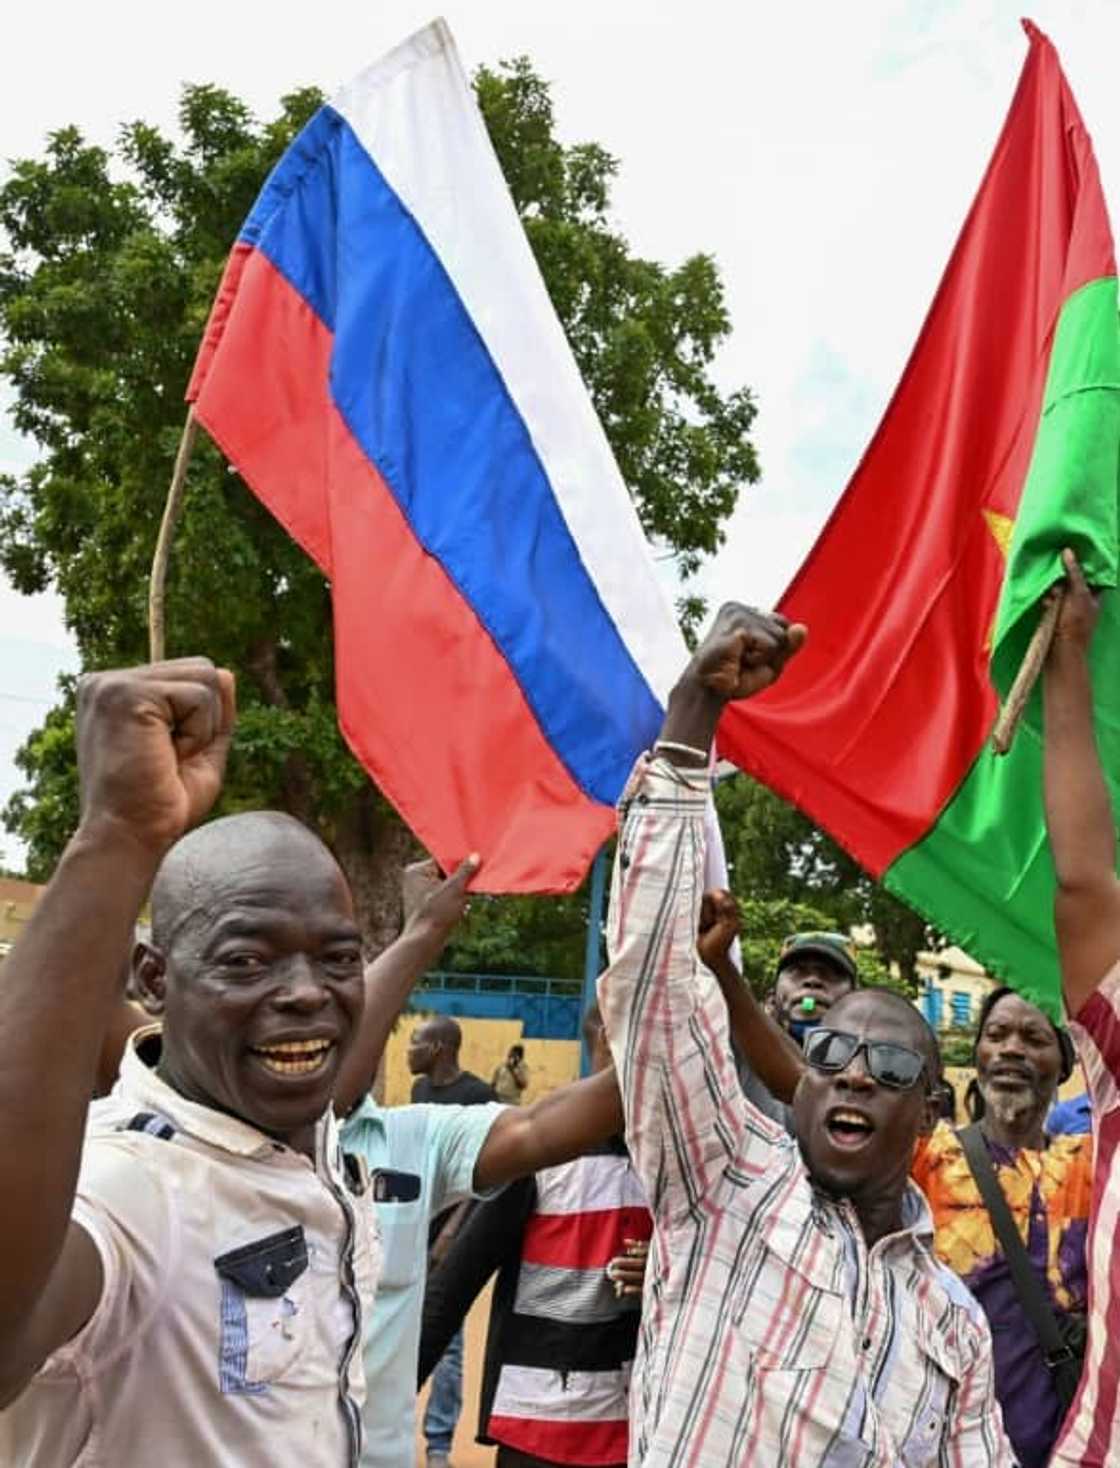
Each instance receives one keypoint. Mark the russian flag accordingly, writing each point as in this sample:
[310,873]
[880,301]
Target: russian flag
[384,368]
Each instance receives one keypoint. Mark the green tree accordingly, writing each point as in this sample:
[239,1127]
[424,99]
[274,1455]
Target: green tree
[790,876]
[108,266]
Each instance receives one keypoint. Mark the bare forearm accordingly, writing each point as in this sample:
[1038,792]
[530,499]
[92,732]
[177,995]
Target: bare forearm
[558,1127]
[1078,805]
[765,1046]
[690,719]
[61,985]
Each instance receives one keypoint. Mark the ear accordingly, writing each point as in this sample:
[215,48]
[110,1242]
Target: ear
[149,977]
[931,1114]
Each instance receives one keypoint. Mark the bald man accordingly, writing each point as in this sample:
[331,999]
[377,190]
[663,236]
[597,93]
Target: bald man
[433,1058]
[187,1266]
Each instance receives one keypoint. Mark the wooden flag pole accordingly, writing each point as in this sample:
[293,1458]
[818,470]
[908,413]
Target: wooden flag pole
[1016,701]
[171,510]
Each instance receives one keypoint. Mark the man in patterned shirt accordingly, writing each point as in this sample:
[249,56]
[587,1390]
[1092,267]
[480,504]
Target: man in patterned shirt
[1080,819]
[794,1313]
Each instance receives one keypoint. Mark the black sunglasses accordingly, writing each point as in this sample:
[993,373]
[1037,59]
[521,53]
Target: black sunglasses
[896,1066]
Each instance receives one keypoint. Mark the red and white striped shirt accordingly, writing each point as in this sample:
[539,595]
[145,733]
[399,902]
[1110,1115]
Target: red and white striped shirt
[770,1333]
[1091,1436]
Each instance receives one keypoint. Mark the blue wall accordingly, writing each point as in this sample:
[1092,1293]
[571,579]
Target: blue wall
[549,1009]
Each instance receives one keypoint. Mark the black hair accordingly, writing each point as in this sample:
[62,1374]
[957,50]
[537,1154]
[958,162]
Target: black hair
[1065,1043]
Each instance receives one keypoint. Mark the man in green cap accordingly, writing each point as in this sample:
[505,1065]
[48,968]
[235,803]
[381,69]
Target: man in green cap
[814,971]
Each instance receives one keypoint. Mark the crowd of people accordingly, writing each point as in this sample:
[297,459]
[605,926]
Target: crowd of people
[750,1236]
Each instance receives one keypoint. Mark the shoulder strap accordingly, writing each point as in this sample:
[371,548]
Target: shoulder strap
[1028,1286]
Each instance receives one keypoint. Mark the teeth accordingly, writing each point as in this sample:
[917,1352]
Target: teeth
[293,1057]
[292,1067]
[293,1047]
[850,1118]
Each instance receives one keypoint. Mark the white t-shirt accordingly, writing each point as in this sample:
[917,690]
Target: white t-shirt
[236,1276]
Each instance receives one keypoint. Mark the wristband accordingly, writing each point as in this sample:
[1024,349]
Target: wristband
[699,754]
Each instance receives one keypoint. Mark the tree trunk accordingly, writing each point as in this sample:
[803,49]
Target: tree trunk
[373,845]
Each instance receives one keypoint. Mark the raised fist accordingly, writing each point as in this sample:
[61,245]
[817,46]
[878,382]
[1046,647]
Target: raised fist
[720,924]
[152,745]
[744,652]
[1080,608]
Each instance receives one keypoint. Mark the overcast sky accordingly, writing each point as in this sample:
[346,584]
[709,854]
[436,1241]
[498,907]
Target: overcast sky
[825,154]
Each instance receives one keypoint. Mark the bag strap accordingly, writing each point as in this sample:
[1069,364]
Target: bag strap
[1028,1286]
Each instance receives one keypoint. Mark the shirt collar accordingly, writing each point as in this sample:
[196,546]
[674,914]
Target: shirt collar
[367,1111]
[139,1083]
[917,1219]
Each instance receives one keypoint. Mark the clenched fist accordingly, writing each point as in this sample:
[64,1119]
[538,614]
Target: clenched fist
[744,652]
[152,746]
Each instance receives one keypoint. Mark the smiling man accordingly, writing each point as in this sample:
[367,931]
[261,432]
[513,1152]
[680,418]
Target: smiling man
[794,1312]
[1047,1182]
[185,1284]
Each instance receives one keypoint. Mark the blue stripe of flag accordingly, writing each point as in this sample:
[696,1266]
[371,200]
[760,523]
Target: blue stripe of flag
[417,387]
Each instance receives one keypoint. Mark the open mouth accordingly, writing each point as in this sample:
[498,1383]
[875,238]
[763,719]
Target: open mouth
[847,1128]
[293,1057]
[1011,1077]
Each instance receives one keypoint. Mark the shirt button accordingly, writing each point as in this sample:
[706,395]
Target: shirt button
[867,1343]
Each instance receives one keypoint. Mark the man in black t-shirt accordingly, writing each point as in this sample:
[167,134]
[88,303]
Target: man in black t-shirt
[433,1058]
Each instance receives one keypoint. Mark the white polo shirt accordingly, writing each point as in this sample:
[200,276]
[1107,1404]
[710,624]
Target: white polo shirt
[236,1274]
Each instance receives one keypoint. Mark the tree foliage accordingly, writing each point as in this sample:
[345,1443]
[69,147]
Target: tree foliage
[108,265]
[789,876]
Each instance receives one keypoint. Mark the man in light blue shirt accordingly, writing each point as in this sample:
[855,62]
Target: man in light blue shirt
[426,1158]
[434,1150]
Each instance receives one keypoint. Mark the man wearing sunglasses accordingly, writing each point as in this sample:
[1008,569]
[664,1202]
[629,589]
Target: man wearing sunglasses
[794,1312]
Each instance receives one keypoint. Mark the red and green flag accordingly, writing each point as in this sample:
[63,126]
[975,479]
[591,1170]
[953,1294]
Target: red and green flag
[1000,446]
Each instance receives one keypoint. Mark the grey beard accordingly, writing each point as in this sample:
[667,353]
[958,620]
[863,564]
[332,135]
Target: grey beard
[1012,1109]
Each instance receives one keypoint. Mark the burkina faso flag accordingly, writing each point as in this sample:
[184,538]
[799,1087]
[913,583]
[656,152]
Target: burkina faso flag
[1001,445]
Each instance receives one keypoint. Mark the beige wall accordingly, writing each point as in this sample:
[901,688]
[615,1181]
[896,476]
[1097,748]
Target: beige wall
[551,1063]
[950,972]
[17,902]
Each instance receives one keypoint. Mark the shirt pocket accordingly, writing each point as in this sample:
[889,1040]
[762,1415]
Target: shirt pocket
[927,1407]
[264,1310]
[786,1313]
[404,1242]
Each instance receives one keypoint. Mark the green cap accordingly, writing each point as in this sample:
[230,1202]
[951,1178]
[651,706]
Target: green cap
[837,948]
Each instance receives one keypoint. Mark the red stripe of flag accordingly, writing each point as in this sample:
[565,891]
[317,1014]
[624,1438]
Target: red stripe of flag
[265,400]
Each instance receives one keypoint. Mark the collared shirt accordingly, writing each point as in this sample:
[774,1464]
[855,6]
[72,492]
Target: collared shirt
[235,1274]
[1048,1193]
[438,1146]
[771,1333]
[1091,1437]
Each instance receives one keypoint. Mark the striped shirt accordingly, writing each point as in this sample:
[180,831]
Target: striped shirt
[1091,1438]
[556,1380]
[771,1333]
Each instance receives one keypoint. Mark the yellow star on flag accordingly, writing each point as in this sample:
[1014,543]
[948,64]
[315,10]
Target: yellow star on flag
[1001,527]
